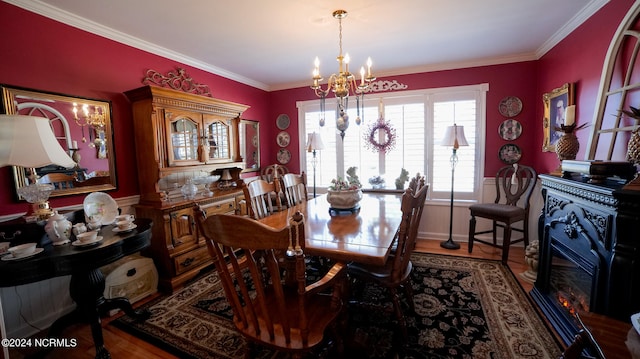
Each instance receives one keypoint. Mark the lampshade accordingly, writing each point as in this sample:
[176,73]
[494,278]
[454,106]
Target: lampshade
[28,141]
[454,136]
[314,142]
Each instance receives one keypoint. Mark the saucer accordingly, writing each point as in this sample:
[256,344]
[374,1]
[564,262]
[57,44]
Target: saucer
[12,258]
[87,243]
[131,228]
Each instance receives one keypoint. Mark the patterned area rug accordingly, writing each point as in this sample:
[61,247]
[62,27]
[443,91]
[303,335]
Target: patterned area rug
[465,308]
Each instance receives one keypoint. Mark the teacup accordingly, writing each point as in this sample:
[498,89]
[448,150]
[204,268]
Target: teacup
[4,246]
[125,217]
[123,225]
[87,236]
[22,249]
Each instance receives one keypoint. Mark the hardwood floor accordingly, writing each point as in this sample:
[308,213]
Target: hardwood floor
[122,345]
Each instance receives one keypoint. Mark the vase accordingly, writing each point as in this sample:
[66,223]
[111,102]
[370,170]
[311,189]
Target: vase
[344,199]
[567,146]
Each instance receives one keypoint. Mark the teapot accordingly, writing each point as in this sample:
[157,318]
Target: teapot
[58,228]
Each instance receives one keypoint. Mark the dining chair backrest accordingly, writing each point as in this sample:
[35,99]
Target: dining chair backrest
[416,183]
[412,206]
[260,196]
[268,309]
[269,173]
[58,180]
[295,188]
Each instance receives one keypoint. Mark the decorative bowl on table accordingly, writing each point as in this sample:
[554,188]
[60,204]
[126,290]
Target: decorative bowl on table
[344,194]
[344,199]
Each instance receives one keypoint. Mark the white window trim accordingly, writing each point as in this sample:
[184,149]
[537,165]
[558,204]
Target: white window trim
[372,100]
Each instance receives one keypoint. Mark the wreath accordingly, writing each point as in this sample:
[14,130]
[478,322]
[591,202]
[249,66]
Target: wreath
[372,138]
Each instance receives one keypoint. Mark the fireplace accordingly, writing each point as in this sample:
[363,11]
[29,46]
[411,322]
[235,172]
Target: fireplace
[589,256]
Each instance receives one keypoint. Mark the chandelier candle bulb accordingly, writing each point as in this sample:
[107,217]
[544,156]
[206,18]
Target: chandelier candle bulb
[369,67]
[362,76]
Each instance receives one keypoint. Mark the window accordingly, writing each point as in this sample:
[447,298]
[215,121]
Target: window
[419,119]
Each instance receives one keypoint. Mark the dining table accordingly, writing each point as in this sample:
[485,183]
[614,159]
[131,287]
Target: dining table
[364,235]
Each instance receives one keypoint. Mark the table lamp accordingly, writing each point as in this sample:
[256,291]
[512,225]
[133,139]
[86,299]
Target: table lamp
[314,143]
[453,136]
[29,141]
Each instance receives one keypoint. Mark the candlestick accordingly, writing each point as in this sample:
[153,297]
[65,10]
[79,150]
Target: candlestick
[75,144]
[570,115]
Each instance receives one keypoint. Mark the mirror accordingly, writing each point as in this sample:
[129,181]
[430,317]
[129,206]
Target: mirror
[83,128]
[250,144]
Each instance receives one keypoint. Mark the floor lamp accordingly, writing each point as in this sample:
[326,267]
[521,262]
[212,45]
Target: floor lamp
[454,136]
[314,143]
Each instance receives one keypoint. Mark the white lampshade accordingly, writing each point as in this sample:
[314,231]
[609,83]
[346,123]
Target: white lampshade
[28,141]
[454,136]
[314,142]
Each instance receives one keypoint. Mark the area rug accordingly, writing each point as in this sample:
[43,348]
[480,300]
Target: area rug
[464,308]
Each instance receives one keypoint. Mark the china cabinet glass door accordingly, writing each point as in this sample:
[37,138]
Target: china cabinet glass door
[217,140]
[183,139]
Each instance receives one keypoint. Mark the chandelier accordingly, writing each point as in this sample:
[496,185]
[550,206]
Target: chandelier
[86,117]
[342,84]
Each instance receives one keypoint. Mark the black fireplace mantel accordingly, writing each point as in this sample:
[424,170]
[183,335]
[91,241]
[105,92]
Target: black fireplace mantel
[595,228]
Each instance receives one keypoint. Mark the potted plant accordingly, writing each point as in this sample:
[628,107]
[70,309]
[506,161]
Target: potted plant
[345,193]
[404,177]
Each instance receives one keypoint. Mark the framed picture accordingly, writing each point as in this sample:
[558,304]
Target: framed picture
[555,104]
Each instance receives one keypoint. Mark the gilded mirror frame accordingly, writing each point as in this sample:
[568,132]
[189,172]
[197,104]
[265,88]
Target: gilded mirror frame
[249,135]
[95,143]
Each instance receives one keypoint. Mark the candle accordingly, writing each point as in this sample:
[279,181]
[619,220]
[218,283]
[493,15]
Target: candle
[362,75]
[75,144]
[570,115]
[368,67]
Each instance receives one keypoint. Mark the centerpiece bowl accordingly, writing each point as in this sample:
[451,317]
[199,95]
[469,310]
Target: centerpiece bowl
[344,199]
[345,194]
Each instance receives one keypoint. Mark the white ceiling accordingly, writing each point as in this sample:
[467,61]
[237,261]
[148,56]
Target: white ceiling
[271,44]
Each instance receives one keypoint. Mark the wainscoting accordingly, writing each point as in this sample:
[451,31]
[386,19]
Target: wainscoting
[32,307]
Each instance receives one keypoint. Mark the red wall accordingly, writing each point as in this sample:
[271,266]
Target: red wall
[43,54]
[514,79]
[579,59]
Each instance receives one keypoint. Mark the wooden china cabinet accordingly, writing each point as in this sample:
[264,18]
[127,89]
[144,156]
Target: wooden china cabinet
[180,137]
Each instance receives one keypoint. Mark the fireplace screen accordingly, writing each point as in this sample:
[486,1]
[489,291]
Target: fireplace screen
[570,284]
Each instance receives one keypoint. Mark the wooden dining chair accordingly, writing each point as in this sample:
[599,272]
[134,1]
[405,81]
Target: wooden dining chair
[267,310]
[295,188]
[395,274]
[514,186]
[270,172]
[263,198]
[58,180]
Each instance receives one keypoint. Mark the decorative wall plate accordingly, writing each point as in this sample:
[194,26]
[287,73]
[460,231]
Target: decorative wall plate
[283,139]
[510,153]
[510,106]
[101,205]
[510,129]
[283,121]
[284,156]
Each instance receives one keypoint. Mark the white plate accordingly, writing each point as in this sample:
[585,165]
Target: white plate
[635,320]
[101,205]
[12,258]
[87,243]
[118,230]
